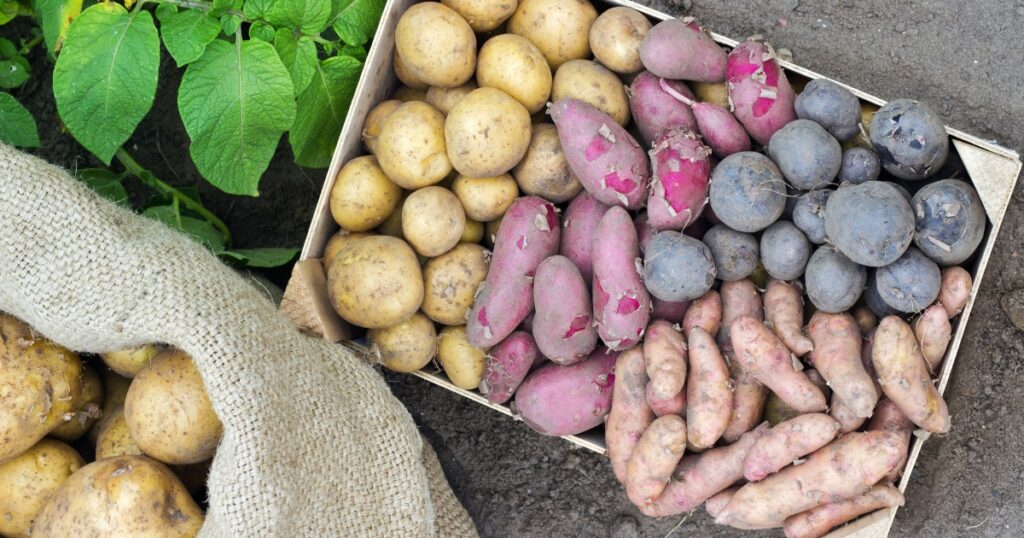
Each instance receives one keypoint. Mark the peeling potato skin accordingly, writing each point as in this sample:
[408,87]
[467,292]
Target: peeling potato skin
[28,481]
[86,409]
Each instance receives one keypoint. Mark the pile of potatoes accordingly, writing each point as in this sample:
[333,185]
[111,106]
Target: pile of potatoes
[141,417]
[658,210]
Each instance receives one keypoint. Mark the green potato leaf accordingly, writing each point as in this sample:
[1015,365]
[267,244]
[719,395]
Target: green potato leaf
[17,127]
[307,16]
[55,16]
[357,20]
[322,108]
[298,56]
[262,257]
[230,23]
[13,72]
[220,7]
[106,183]
[198,229]
[8,10]
[187,33]
[262,31]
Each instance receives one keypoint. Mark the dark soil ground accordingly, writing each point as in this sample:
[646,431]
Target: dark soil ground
[963,58]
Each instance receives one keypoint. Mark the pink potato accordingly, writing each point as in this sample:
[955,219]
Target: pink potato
[845,468]
[630,415]
[605,158]
[673,311]
[784,311]
[644,232]
[787,442]
[904,376]
[818,521]
[762,354]
[654,458]
[889,418]
[845,416]
[528,234]
[748,399]
[955,290]
[681,49]
[622,306]
[705,312]
[837,357]
[708,392]
[739,298]
[507,366]
[578,225]
[718,501]
[721,131]
[654,109]
[562,322]
[566,400]
[665,357]
[673,405]
[933,332]
[679,182]
[760,94]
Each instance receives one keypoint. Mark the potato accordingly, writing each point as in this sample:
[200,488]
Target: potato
[338,242]
[450,282]
[407,78]
[406,94]
[463,363]
[405,347]
[473,232]
[559,28]
[513,65]
[654,459]
[123,496]
[485,198]
[39,384]
[375,121]
[716,93]
[436,45]
[593,84]
[28,481]
[615,39]
[483,15]
[375,282]
[115,439]
[129,362]
[362,196]
[443,99]
[411,146]
[88,408]
[544,170]
[486,133]
[432,221]
[392,226]
[115,388]
[630,415]
[169,413]
[491,231]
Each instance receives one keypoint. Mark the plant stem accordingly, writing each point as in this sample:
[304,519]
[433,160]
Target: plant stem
[147,178]
[323,41]
[192,4]
[29,45]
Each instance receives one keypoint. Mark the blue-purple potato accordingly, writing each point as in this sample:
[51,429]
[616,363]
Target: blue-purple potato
[874,301]
[859,165]
[830,105]
[871,223]
[678,267]
[910,139]
[784,251]
[735,253]
[747,191]
[792,196]
[909,284]
[950,221]
[806,154]
[833,281]
[809,214]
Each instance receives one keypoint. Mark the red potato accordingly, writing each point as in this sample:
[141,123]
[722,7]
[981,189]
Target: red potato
[654,458]
[679,184]
[955,290]
[889,418]
[787,442]
[507,366]
[866,319]
[837,357]
[708,392]
[528,234]
[705,312]
[904,377]
[761,96]
[606,159]
[721,131]
[700,476]
[845,416]
[845,468]
[578,226]
[718,501]
[622,306]
[673,311]
[681,49]
[673,405]
[784,311]
[654,109]
[567,400]
[739,298]
[562,322]
[630,415]
[665,356]
[748,399]
[769,360]
[818,521]
[933,332]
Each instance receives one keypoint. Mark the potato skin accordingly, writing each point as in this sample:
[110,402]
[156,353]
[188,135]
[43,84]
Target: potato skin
[485,198]
[933,332]
[362,195]
[654,458]
[705,312]
[128,362]
[88,408]
[375,282]
[115,388]
[411,146]
[761,353]
[955,290]
[837,356]
[486,133]
[169,413]
[338,242]
[443,99]
[788,441]
[563,322]
[630,415]
[374,122]
[132,494]
[593,84]
[665,358]
[443,56]
[29,480]
[463,362]
[784,310]
[708,392]
[473,232]
[904,377]
[450,281]
[507,366]
[115,439]
[559,28]
[567,400]
[622,305]
[615,39]
[483,15]
[544,170]
[432,220]
[515,66]
[818,521]
[407,78]
[405,347]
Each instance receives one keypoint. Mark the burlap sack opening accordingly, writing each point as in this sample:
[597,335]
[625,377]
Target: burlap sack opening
[314,442]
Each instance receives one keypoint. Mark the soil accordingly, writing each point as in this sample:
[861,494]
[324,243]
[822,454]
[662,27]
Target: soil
[962,58]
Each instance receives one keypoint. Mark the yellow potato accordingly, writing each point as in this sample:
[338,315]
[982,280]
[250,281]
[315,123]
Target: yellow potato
[40,382]
[437,45]
[29,480]
[432,220]
[406,94]
[411,146]
[473,232]
[594,84]
[362,196]
[450,282]
[88,408]
[463,363]
[375,121]
[559,28]
[615,39]
[486,133]
[115,388]
[544,171]
[338,242]
[491,231]
[115,439]
[443,99]
[410,80]
[405,347]
[375,282]
[485,198]
[393,225]
[513,65]
[129,362]
[123,496]
[168,412]
[711,92]
[483,15]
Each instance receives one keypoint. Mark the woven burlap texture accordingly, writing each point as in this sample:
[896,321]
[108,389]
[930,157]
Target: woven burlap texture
[314,442]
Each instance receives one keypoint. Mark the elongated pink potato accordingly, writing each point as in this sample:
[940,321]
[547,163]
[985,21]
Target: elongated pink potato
[837,357]
[719,129]
[654,109]
[760,94]
[622,306]
[955,290]
[705,312]
[748,399]
[630,415]
[818,521]
[507,366]
[762,354]
[784,311]
[787,442]
[904,377]
[665,356]
[708,392]
[681,49]
[718,501]
[673,405]
[739,298]
[933,332]
[654,458]
[679,182]
[567,400]
[578,226]
[845,416]
[562,323]
[889,418]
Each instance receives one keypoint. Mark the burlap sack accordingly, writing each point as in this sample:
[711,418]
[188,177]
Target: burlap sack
[314,442]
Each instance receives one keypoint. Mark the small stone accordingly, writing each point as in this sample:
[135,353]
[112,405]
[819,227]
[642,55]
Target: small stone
[1020,10]
[900,27]
[1013,305]
[792,4]
[624,526]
